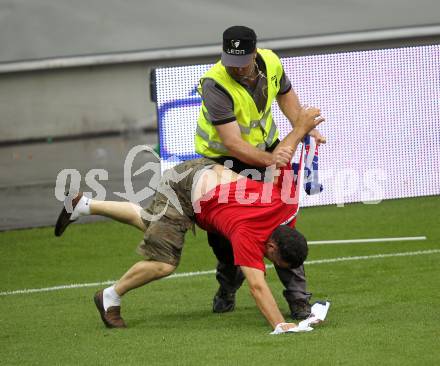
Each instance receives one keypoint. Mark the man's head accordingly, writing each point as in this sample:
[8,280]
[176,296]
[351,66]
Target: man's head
[287,247]
[239,50]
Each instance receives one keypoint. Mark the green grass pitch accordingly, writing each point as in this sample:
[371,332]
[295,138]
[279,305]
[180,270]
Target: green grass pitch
[385,311]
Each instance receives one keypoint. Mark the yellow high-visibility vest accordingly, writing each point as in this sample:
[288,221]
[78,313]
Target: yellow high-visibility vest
[257,128]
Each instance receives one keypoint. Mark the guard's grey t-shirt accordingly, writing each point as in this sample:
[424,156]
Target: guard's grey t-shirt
[219,103]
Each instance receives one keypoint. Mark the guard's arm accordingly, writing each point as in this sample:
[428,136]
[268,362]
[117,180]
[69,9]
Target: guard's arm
[307,119]
[230,135]
[291,108]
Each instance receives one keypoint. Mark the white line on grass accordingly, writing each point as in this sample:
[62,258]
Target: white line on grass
[378,240]
[201,273]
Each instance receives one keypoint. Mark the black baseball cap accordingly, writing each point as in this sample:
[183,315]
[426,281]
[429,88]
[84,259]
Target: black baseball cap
[239,43]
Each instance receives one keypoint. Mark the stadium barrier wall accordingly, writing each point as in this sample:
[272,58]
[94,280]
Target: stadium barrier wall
[110,93]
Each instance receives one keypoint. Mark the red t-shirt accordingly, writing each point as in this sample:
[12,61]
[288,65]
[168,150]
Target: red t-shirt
[247,212]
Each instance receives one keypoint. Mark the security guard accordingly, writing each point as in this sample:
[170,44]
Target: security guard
[236,128]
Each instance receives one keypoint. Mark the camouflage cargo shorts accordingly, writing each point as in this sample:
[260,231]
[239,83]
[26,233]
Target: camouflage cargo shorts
[164,236]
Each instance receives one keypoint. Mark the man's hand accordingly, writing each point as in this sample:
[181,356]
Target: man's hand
[319,139]
[282,156]
[284,327]
[308,119]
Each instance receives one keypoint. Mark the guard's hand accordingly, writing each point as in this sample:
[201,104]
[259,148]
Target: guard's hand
[282,156]
[308,119]
[319,139]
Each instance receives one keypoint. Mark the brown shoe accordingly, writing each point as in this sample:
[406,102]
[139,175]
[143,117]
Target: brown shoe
[111,317]
[64,218]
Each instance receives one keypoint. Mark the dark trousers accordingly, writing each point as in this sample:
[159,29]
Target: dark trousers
[230,277]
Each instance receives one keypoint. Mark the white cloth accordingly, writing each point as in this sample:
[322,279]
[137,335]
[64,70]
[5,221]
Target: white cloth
[318,314]
[298,329]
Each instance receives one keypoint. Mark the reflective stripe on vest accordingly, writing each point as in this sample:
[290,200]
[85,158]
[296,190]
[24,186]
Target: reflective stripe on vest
[247,130]
[218,146]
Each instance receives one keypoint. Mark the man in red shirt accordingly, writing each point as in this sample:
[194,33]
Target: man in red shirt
[256,217]
[246,211]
